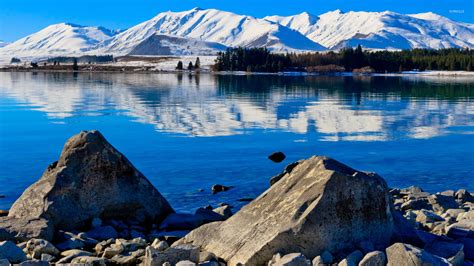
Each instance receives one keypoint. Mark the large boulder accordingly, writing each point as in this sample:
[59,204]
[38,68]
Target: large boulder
[321,205]
[91,179]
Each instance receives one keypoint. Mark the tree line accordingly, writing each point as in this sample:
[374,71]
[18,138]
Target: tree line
[348,59]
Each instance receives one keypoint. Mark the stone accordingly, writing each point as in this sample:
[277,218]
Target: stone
[124,260]
[441,203]
[160,245]
[3,213]
[89,260]
[463,195]
[36,247]
[103,233]
[131,245]
[365,246]
[209,263]
[181,221]
[323,259]
[208,215]
[287,170]
[352,259]
[219,188]
[224,211]
[321,205]
[404,231]
[374,258]
[411,190]
[207,256]
[468,247]
[4,262]
[12,253]
[400,254]
[425,217]
[69,255]
[186,263]
[19,229]
[100,247]
[96,222]
[172,255]
[416,204]
[47,257]
[277,157]
[34,263]
[91,179]
[292,259]
[453,213]
[113,250]
[461,229]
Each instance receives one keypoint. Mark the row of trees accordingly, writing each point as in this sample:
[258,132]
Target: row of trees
[197,65]
[262,60]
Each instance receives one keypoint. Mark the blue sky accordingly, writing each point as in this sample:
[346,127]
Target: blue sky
[19,18]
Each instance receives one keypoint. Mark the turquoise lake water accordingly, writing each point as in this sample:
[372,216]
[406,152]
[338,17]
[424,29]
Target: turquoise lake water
[187,132]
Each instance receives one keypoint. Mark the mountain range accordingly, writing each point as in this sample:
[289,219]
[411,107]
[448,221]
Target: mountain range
[206,31]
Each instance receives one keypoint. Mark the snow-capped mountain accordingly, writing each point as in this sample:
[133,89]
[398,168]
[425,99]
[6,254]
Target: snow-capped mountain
[2,43]
[206,31]
[380,30]
[58,39]
[160,44]
[213,25]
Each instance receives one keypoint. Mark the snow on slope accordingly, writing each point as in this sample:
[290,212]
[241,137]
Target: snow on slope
[212,25]
[159,44]
[57,39]
[2,43]
[381,30]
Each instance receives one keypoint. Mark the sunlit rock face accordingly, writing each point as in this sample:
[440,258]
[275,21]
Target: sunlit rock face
[206,105]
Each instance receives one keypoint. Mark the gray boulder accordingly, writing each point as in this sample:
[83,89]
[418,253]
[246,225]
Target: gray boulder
[400,254]
[453,252]
[91,179]
[324,258]
[37,247]
[10,252]
[292,259]
[374,258]
[321,205]
[19,229]
[172,255]
[352,259]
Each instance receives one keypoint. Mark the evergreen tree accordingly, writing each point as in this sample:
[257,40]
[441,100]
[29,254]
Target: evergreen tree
[190,66]
[197,64]
[179,66]
[75,67]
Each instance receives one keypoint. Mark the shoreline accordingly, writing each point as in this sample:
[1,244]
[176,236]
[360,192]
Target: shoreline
[147,70]
[335,213]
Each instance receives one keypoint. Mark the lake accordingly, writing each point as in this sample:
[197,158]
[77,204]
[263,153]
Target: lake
[188,132]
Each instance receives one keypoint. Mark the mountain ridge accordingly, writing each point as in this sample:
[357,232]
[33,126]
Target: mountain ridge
[208,27]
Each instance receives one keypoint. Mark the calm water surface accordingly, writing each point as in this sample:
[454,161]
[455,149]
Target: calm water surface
[190,132]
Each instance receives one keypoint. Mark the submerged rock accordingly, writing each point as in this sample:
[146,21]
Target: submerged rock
[91,179]
[277,157]
[321,205]
[219,188]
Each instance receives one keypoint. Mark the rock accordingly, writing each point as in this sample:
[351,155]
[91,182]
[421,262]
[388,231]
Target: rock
[287,170]
[96,222]
[172,255]
[277,157]
[23,229]
[91,179]
[224,211]
[441,203]
[404,231]
[453,213]
[47,257]
[209,263]
[5,262]
[208,215]
[321,205]
[124,260]
[186,263]
[468,247]
[400,254]
[103,232]
[219,188]
[463,195]
[425,217]
[160,245]
[89,260]
[352,259]
[12,253]
[113,250]
[461,229]
[69,255]
[323,259]
[416,204]
[292,259]
[100,247]
[449,193]
[131,245]
[374,258]
[34,263]
[207,256]
[3,213]
[365,246]
[36,247]
[411,190]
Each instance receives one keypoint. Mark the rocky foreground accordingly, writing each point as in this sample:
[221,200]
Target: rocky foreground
[94,207]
